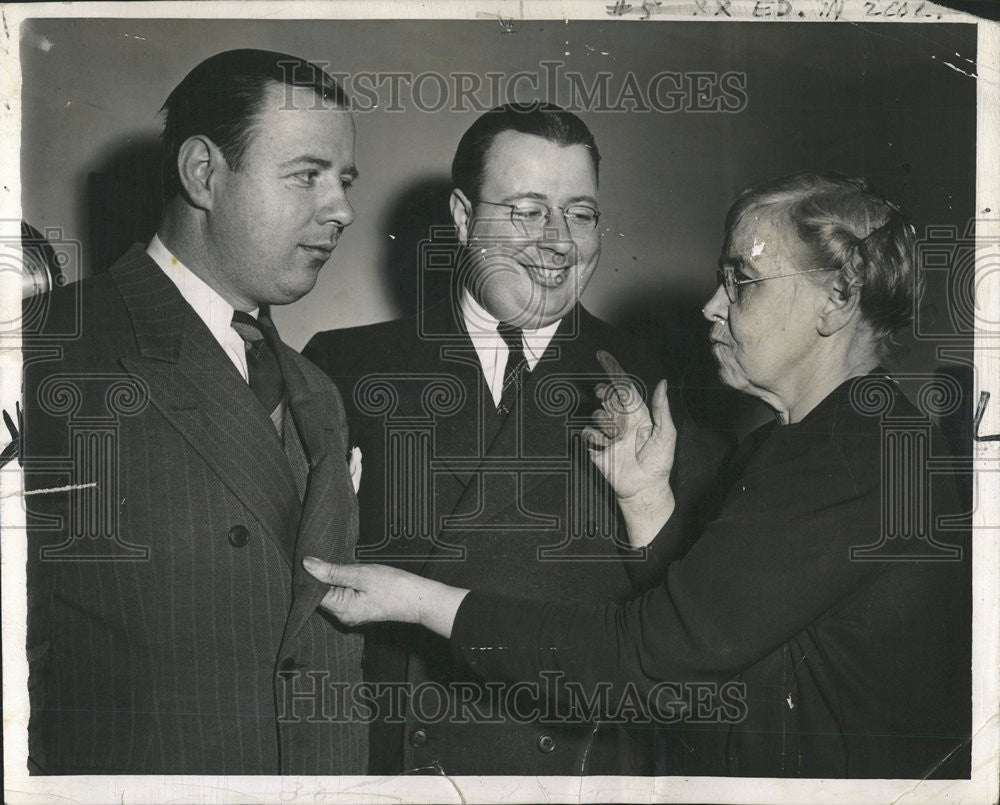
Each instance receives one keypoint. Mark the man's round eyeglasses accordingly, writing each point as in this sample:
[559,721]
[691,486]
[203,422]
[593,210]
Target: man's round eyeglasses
[727,277]
[530,218]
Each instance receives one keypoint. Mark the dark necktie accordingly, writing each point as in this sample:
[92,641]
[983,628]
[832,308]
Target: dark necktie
[263,369]
[516,365]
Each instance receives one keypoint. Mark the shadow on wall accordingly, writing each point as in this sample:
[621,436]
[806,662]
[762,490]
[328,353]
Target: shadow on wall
[677,335]
[421,235]
[123,200]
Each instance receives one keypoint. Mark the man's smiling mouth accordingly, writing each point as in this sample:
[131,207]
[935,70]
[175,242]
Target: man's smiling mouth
[547,277]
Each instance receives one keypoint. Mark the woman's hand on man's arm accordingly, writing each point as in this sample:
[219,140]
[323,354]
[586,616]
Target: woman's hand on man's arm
[361,594]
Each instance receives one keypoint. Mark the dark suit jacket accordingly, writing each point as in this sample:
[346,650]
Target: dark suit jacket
[832,611]
[170,622]
[521,510]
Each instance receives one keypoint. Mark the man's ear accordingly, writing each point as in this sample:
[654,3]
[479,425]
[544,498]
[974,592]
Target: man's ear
[840,306]
[197,162]
[461,214]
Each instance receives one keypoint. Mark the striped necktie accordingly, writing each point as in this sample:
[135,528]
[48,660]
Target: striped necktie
[266,381]
[516,365]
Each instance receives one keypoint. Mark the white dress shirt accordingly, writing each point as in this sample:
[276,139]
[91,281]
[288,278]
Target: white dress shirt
[211,308]
[490,346]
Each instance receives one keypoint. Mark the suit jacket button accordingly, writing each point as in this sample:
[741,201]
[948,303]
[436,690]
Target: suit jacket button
[546,743]
[290,668]
[238,536]
[418,737]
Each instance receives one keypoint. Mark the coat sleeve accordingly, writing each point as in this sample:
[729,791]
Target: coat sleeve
[701,456]
[699,481]
[773,562]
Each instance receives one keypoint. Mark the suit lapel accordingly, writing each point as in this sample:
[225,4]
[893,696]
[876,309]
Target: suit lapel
[312,421]
[461,440]
[526,426]
[328,527]
[461,437]
[194,385]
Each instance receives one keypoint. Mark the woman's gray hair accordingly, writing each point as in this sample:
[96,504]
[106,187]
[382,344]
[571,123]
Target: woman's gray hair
[852,228]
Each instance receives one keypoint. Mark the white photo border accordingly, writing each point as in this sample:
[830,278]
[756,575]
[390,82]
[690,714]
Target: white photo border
[983,787]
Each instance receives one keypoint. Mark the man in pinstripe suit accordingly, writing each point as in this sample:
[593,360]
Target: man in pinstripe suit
[171,627]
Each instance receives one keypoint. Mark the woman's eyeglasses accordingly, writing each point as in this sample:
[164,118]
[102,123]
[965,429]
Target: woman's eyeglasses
[728,279]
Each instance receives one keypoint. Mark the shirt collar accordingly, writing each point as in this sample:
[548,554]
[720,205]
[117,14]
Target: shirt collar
[482,328]
[210,306]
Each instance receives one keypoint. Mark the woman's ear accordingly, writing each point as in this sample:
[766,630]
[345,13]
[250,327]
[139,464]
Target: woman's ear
[197,161]
[461,214]
[840,306]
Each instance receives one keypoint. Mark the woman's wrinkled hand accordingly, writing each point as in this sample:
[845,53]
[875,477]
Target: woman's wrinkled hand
[633,448]
[361,594]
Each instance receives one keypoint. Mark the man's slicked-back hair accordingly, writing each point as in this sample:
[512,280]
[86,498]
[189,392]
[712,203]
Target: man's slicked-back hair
[222,97]
[545,120]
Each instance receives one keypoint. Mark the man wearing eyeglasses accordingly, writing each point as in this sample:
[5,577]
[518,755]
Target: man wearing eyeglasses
[469,417]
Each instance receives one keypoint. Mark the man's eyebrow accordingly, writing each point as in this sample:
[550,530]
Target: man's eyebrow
[544,198]
[529,195]
[316,162]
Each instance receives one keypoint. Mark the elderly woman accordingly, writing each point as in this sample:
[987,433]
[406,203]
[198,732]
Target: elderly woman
[827,658]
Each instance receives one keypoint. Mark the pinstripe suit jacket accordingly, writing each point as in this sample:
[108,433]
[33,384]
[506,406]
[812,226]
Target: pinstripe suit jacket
[171,628]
